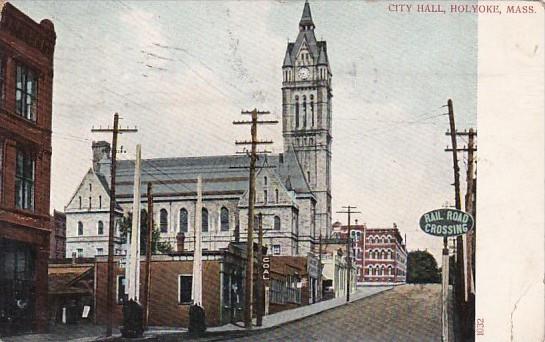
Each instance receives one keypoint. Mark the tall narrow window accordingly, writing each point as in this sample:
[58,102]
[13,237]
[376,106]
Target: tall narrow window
[265,180]
[276,195]
[204,215]
[24,181]
[90,187]
[304,111]
[312,110]
[79,198]
[296,112]
[120,289]
[277,224]
[185,285]
[265,196]
[80,228]
[100,201]
[183,221]
[163,221]
[26,93]
[90,201]
[224,219]
[2,76]
[1,161]
[100,228]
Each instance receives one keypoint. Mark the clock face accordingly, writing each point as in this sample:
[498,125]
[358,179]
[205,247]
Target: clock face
[304,73]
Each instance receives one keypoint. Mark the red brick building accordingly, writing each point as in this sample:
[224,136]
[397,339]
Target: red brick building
[57,239]
[380,254]
[26,79]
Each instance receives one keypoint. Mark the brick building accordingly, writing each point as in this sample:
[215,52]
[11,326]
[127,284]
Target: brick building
[57,239]
[26,79]
[380,254]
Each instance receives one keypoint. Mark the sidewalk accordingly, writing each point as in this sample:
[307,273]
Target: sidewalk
[89,332]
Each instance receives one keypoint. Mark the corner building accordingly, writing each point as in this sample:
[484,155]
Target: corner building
[26,79]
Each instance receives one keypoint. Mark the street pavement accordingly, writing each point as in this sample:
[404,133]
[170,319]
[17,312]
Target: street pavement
[406,313]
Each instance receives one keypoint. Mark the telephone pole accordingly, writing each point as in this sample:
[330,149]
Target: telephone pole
[109,290]
[259,287]
[462,256]
[470,208]
[348,247]
[248,284]
[147,283]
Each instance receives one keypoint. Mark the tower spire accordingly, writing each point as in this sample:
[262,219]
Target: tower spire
[306,22]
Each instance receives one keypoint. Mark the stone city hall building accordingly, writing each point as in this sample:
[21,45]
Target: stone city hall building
[26,78]
[293,188]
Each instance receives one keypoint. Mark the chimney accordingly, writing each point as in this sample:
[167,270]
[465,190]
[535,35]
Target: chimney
[101,150]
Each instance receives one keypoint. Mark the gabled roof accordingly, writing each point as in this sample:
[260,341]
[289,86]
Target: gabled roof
[287,58]
[99,177]
[222,175]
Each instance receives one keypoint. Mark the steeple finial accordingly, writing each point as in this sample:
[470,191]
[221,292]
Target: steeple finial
[306,22]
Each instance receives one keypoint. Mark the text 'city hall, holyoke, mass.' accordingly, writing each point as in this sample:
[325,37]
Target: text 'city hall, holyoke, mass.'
[293,188]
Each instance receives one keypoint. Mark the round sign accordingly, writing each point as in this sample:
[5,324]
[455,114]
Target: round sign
[446,222]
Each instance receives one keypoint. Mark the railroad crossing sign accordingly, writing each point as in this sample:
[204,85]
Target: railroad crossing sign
[446,222]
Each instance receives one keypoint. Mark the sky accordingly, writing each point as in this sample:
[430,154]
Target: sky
[182,71]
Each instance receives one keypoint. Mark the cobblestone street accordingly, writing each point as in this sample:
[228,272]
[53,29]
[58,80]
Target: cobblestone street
[406,313]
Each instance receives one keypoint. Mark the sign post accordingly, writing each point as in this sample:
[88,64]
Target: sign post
[445,223]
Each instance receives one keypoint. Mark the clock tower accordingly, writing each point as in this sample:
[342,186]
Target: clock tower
[306,114]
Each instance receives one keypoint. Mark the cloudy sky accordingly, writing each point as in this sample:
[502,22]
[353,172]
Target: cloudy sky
[182,71]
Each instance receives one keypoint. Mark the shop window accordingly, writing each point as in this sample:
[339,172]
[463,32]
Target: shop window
[24,181]
[26,93]
[185,283]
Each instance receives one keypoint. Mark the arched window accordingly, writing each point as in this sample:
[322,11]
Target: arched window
[80,228]
[383,255]
[277,224]
[224,219]
[276,195]
[163,220]
[100,228]
[389,254]
[382,270]
[204,215]
[183,221]
[389,270]
[297,112]
[312,110]
[304,111]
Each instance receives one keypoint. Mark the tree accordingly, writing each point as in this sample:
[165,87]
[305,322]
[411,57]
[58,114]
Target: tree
[125,228]
[422,268]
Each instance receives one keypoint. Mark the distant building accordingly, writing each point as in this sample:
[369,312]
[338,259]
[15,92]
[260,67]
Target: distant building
[380,254]
[335,273]
[57,239]
[26,80]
